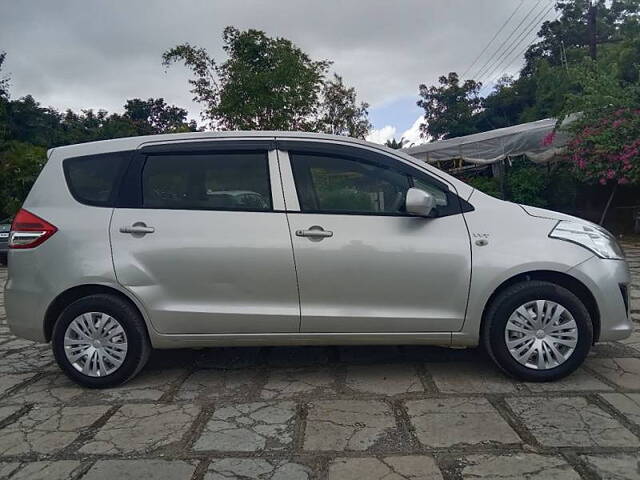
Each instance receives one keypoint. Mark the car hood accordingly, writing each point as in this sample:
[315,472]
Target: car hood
[550,214]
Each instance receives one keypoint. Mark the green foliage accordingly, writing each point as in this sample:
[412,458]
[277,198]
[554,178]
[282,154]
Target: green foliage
[605,147]
[527,184]
[488,185]
[20,164]
[269,84]
[339,112]
[265,84]
[449,109]
[395,144]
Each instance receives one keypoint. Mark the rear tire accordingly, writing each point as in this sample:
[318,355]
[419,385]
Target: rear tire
[531,351]
[81,324]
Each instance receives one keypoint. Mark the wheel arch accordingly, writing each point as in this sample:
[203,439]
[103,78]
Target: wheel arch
[66,298]
[565,280]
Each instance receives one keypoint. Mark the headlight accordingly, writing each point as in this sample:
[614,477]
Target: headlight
[596,239]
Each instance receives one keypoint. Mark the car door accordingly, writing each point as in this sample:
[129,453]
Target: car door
[363,264]
[201,239]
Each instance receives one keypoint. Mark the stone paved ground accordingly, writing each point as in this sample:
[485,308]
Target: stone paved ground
[369,413]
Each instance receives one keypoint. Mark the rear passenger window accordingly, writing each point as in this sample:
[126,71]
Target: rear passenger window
[93,179]
[219,181]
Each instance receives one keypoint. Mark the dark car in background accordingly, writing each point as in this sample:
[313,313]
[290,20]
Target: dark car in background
[5,228]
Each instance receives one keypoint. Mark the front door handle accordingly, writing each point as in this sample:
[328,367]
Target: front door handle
[315,232]
[137,228]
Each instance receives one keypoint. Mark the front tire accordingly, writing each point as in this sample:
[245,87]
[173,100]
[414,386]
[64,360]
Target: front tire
[537,331]
[100,341]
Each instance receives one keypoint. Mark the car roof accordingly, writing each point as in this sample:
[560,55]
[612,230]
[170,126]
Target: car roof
[134,143]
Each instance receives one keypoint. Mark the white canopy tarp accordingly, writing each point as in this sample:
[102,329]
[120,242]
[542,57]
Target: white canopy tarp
[493,146]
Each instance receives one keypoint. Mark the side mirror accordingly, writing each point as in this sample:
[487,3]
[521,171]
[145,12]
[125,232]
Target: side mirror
[419,202]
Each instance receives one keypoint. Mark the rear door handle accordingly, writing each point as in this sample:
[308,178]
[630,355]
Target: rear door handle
[314,232]
[138,227]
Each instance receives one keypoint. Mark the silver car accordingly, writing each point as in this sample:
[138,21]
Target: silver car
[140,243]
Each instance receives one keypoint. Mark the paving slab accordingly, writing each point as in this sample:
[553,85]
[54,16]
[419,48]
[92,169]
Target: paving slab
[52,389]
[28,360]
[578,381]
[297,382]
[347,424]
[385,379]
[7,468]
[628,404]
[16,343]
[388,468]
[47,430]
[370,354]
[614,467]
[570,422]
[624,372]
[53,470]
[633,341]
[7,411]
[297,356]
[8,381]
[229,357]
[155,469]
[258,469]
[148,386]
[518,466]
[249,427]
[458,421]
[470,377]
[142,428]
[206,385]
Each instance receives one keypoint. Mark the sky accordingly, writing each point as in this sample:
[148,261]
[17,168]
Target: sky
[83,54]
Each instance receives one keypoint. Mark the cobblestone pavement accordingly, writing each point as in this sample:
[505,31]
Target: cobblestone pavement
[378,413]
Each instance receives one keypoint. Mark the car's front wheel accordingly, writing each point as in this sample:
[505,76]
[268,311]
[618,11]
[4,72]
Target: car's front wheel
[537,331]
[100,341]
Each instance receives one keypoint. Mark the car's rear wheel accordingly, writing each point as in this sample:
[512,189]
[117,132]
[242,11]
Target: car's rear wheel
[100,341]
[537,331]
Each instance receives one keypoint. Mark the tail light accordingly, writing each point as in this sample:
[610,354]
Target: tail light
[29,230]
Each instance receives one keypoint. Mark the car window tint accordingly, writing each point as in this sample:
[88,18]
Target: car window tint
[220,181]
[92,179]
[440,195]
[334,184]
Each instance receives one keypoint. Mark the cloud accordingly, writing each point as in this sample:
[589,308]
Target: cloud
[381,135]
[79,54]
[412,134]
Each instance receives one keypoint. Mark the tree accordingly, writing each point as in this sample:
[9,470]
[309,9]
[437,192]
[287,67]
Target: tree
[449,109]
[570,32]
[339,112]
[605,142]
[395,144]
[265,84]
[154,116]
[4,80]
[20,164]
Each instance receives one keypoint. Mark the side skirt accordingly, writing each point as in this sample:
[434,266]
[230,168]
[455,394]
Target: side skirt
[277,339]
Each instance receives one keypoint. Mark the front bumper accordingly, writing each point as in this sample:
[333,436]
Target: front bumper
[604,279]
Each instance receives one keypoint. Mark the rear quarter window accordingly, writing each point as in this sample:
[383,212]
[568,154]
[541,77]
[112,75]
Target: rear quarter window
[94,179]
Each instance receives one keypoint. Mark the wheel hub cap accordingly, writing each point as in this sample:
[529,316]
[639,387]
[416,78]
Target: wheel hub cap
[95,344]
[541,334]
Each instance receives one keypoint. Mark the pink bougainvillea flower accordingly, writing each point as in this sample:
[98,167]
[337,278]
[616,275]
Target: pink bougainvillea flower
[548,139]
[610,174]
[603,181]
[623,181]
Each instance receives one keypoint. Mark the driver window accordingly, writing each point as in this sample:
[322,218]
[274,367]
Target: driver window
[340,185]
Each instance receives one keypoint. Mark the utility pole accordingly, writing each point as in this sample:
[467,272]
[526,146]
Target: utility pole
[593,34]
